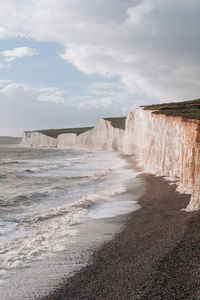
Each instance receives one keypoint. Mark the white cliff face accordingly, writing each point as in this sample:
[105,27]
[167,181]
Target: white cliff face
[102,137]
[68,140]
[37,139]
[166,146]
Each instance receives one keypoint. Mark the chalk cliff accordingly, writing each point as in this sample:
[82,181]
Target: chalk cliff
[67,140]
[103,137]
[165,145]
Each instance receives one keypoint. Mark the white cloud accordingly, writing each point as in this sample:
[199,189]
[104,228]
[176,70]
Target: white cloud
[45,94]
[26,108]
[89,102]
[136,14]
[20,52]
[52,95]
[3,32]
[104,88]
[153,45]
[11,87]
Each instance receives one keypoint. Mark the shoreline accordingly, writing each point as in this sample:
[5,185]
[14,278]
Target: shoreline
[155,256]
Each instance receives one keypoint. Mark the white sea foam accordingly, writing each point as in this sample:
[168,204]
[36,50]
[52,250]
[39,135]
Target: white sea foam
[50,230]
[78,159]
[112,209]
[46,237]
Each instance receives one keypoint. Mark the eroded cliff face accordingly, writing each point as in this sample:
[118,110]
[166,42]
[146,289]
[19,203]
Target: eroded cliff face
[166,146]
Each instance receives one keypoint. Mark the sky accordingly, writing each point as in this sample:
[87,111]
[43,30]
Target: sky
[67,63]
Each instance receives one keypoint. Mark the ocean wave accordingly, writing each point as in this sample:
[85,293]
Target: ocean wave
[82,203]
[41,169]
[78,159]
[24,198]
[9,162]
[7,174]
[3,175]
[49,230]
[101,172]
[93,175]
[47,238]
[67,164]
[47,225]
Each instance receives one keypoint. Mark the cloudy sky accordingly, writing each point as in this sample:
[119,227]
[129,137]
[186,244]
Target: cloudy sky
[66,63]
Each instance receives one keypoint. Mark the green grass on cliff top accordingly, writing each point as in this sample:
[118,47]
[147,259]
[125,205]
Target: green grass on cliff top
[185,109]
[55,132]
[115,122]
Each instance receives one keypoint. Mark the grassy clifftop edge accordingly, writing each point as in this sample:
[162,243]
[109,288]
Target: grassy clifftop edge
[119,122]
[115,122]
[185,109]
[55,132]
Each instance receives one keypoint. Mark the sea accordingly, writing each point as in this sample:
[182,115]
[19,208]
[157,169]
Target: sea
[56,207]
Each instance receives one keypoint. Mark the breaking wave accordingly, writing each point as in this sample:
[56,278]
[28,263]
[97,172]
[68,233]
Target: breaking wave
[10,162]
[41,169]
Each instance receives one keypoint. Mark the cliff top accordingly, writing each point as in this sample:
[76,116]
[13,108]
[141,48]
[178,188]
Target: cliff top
[55,132]
[119,122]
[115,122]
[185,109]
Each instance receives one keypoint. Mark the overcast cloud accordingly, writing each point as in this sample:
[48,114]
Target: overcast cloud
[153,45]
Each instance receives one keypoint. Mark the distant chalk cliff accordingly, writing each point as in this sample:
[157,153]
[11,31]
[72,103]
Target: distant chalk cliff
[102,137]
